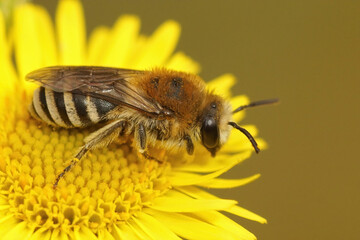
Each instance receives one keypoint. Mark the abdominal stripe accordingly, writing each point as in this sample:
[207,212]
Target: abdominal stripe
[81,103]
[44,104]
[66,109]
[60,105]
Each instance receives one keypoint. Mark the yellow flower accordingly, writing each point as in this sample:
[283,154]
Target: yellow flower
[110,194]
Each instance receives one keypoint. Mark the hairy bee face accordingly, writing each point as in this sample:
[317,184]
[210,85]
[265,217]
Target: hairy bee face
[214,128]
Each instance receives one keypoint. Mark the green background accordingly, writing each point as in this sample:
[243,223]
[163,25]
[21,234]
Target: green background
[307,53]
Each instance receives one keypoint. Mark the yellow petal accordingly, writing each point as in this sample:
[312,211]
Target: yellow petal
[138,231]
[104,234]
[180,62]
[98,40]
[84,233]
[261,143]
[3,207]
[47,38]
[219,220]
[34,39]
[7,72]
[136,50]
[228,183]
[201,194]
[178,202]
[124,232]
[7,222]
[121,41]
[188,227]
[186,179]
[242,212]
[217,163]
[154,228]
[18,232]
[3,41]
[59,235]
[27,47]
[222,85]
[236,102]
[71,32]
[43,234]
[159,46]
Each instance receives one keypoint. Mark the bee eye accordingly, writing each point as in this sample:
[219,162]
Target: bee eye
[210,133]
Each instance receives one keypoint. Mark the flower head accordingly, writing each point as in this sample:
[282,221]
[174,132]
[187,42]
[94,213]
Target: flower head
[111,193]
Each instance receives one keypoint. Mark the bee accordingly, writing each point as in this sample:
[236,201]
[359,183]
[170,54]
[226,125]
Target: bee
[161,105]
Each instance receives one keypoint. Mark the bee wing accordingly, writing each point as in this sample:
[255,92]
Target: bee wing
[114,85]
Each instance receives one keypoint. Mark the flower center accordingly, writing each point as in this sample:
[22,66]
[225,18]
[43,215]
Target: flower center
[107,186]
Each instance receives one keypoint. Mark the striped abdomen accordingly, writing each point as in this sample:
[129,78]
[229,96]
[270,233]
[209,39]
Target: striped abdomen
[67,109]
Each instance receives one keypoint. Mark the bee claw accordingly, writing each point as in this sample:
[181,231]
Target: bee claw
[73,162]
[149,157]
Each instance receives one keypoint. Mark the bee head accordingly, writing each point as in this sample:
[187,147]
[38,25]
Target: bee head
[214,129]
[216,122]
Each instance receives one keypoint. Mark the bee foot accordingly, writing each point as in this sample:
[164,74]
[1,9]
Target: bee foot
[149,157]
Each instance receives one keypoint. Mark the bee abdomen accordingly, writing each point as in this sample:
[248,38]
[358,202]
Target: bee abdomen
[66,109]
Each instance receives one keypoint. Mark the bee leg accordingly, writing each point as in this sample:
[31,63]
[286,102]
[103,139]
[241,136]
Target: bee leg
[147,156]
[189,145]
[140,136]
[99,138]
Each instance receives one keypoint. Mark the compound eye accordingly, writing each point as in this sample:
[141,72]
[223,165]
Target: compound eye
[210,133]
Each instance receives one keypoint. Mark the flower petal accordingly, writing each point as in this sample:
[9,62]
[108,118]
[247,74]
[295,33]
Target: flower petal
[185,179]
[34,40]
[242,212]
[18,232]
[98,39]
[43,234]
[222,85]
[104,234]
[47,37]
[7,72]
[154,228]
[138,231]
[84,233]
[121,41]
[3,207]
[124,232]
[219,220]
[71,32]
[27,48]
[7,222]
[218,163]
[236,102]
[159,46]
[180,62]
[59,235]
[201,194]
[188,227]
[174,201]
[228,183]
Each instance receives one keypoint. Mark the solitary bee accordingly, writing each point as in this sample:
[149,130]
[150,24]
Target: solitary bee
[172,107]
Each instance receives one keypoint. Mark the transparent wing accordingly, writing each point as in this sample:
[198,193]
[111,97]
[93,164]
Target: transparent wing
[114,85]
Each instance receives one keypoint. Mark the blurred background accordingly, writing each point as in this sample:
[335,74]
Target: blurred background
[307,53]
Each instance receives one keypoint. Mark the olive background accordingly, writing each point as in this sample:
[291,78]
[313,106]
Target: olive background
[307,53]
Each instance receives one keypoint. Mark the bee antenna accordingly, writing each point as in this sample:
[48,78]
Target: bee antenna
[247,134]
[257,103]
